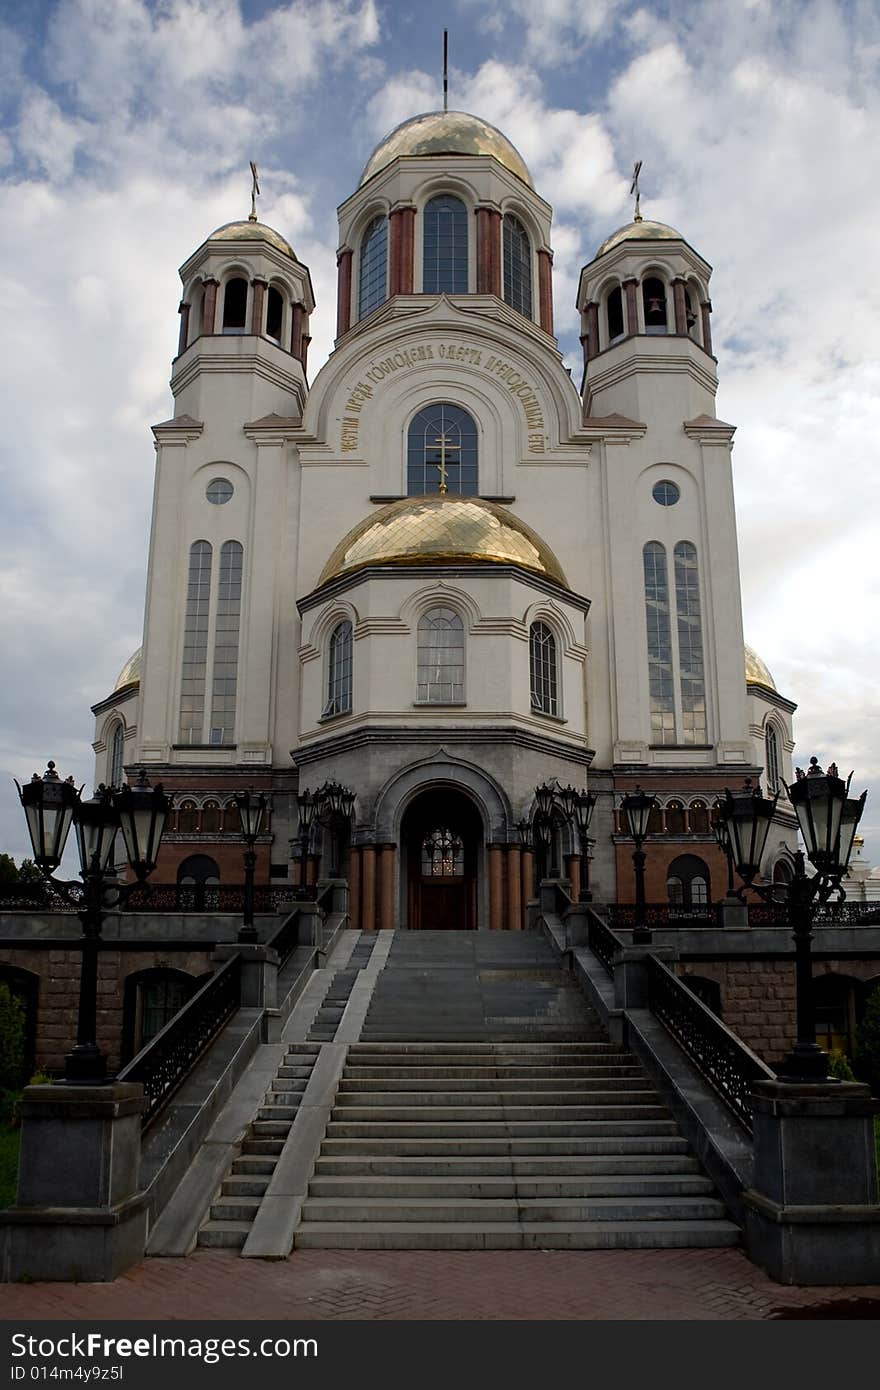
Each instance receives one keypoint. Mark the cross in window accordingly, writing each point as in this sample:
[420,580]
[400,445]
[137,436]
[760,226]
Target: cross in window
[445,444]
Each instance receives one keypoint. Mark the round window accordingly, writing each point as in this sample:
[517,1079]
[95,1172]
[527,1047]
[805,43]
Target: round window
[666,493]
[218,491]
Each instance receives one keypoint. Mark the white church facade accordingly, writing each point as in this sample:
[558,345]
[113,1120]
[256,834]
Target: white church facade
[443,573]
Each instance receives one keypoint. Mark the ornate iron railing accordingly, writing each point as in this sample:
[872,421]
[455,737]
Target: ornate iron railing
[724,1060]
[661,915]
[602,942]
[39,896]
[207,897]
[168,1058]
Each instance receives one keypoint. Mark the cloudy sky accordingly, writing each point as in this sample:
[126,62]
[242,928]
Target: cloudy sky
[127,130]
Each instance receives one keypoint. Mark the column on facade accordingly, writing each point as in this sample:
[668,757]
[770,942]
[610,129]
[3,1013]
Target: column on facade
[496,888]
[632,306]
[545,289]
[209,306]
[183,339]
[386,886]
[304,354]
[705,312]
[368,887]
[297,323]
[401,250]
[527,865]
[313,863]
[514,888]
[590,339]
[679,305]
[573,874]
[354,887]
[259,299]
[343,292]
[489,251]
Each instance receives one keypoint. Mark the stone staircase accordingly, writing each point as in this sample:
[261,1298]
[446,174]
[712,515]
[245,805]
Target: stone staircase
[232,1212]
[339,991]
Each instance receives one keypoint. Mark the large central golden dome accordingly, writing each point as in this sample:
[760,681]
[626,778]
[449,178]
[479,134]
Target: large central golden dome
[446,132]
[442,530]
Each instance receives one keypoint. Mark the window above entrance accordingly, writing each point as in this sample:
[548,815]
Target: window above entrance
[442,449]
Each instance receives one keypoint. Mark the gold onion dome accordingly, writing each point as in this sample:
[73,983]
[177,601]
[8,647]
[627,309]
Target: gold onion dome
[131,671]
[757,672]
[253,231]
[446,132]
[442,530]
[642,230]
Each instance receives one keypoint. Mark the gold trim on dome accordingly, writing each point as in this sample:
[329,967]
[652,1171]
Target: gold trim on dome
[757,672]
[131,671]
[252,231]
[446,132]
[643,230]
[442,530]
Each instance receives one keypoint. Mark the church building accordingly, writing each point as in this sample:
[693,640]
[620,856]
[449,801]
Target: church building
[443,573]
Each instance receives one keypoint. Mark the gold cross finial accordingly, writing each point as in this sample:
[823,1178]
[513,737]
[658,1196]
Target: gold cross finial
[634,188]
[445,444]
[255,188]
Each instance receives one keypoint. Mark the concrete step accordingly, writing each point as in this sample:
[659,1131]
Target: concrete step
[602,1108]
[494,1097]
[551,1166]
[490,1072]
[518,1188]
[593,1235]
[254,1164]
[612,1146]
[404,1049]
[472,1211]
[276,1112]
[270,1129]
[502,1129]
[501,1085]
[235,1208]
[245,1185]
[264,1146]
[224,1234]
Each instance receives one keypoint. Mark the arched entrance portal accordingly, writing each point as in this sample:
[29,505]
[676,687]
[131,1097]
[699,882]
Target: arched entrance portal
[442,843]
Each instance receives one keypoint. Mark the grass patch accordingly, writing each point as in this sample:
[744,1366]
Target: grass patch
[10,1140]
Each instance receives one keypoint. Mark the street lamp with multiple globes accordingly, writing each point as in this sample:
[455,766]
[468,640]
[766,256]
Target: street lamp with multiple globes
[828,818]
[51,806]
[637,807]
[577,807]
[251,810]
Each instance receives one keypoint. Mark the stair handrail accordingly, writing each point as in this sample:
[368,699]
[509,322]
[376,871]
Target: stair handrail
[727,1063]
[166,1060]
[286,939]
[602,941]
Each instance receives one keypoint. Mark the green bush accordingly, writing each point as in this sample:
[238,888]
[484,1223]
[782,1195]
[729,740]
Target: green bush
[839,1066]
[13,1019]
[866,1061]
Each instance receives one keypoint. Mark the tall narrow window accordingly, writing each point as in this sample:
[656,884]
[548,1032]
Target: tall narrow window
[771,756]
[339,671]
[654,301]
[117,756]
[225,676]
[440,679]
[442,445]
[445,244]
[372,285]
[235,298]
[615,314]
[690,644]
[660,687]
[543,674]
[274,314]
[517,266]
[195,643]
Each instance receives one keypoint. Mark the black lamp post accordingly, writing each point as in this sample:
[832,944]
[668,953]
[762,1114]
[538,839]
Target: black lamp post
[637,807]
[251,810]
[722,840]
[577,807]
[140,812]
[545,799]
[828,818]
[306,803]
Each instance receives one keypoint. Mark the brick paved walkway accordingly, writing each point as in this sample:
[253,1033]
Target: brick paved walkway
[398,1285]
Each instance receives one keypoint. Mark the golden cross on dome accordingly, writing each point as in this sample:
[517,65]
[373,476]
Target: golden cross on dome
[634,188]
[255,188]
[445,443]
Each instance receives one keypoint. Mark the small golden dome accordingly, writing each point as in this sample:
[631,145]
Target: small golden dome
[131,671]
[442,530]
[756,672]
[445,132]
[252,231]
[642,230]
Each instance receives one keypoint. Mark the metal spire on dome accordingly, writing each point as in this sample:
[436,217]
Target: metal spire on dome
[445,69]
[255,188]
[634,188]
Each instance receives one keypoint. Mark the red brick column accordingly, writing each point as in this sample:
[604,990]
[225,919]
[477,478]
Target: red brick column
[527,861]
[183,310]
[514,888]
[545,289]
[209,307]
[573,874]
[304,355]
[488,251]
[354,887]
[679,306]
[496,888]
[368,888]
[592,331]
[297,324]
[386,886]
[632,308]
[401,251]
[706,311]
[343,292]
[260,288]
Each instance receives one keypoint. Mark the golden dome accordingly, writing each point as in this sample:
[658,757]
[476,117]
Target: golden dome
[252,231]
[442,530]
[445,132]
[643,230]
[131,671]
[756,672]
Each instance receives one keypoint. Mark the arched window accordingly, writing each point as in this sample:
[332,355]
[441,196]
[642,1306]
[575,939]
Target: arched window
[782,871]
[195,644]
[442,854]
[445,246]
[675,818]
[698,816]
[372,285]
[198,870]
[187,818]
[690,644]
[442,443]
[654,301]
[225,677]
[211,817]
[440,658]
[339,671]
[543,669]
[517,266]
[117,756]
[235,297]
[274,314]
[614,309]
[660,687]
[151,999]
[688,882]
[771,758]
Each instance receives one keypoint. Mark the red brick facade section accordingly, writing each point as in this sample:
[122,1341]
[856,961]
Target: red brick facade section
[343,292]
[488,251]
[545,290]
[401,250]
